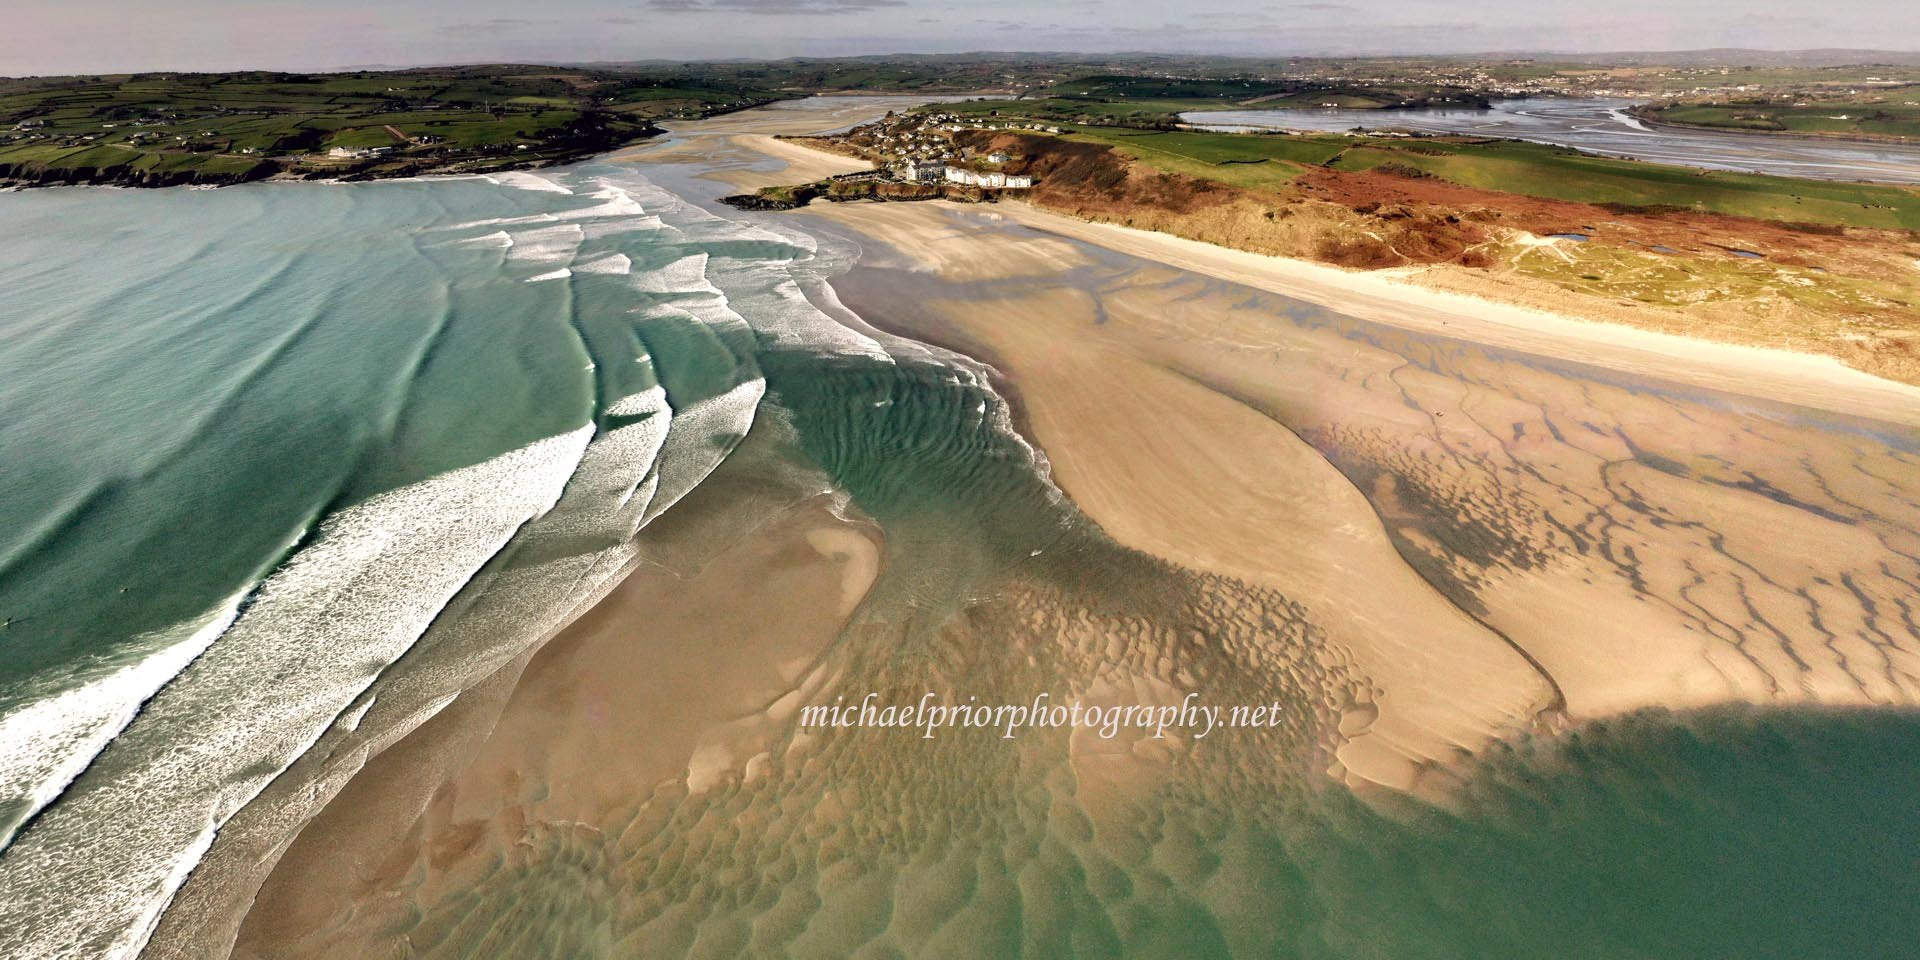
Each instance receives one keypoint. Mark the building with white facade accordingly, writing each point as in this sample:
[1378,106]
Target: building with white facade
[992,179]
[921,171]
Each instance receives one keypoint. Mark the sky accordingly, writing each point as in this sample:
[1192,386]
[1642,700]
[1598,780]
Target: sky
[94,36]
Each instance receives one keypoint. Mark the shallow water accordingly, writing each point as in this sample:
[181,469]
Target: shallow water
[265,437]
[1600,125]
[353,451]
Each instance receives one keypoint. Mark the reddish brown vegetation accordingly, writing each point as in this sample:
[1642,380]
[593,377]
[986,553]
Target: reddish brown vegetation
[1389,217]
[1683,230]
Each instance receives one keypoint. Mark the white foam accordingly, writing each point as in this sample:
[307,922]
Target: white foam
[47,743]
[601,229]
[560,274]
[549,575]
[613,263]
[782,315]
[312,660]
[651,400]
[684,277]
[498,238]
[614,202]
[319,632]
[522,180]
[690,453]
[549,244]
[505,221]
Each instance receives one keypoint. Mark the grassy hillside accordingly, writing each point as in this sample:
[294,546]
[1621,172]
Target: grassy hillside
[1238,159]
[1805,265]
[1538,170]
[175,128]
[1528,169]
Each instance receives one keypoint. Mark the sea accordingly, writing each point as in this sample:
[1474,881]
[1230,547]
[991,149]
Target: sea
[258,440]
[285,462]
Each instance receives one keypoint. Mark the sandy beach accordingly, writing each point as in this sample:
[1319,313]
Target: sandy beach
[1388,297]
[757,579]
[1419,524]
[742,149]
[1259,440]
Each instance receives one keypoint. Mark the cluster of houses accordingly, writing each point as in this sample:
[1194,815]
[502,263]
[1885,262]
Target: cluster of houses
[988,178]
[935,171]
[919,148]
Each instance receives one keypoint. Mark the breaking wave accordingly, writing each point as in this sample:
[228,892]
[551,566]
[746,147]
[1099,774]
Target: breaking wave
[478,417]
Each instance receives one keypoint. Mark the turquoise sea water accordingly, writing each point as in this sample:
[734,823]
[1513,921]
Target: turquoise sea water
[304,419]
[286,462]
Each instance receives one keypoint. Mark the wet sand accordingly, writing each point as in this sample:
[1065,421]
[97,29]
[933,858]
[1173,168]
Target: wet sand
[1387,297]
[1420,538]
[683,674]
[611,707]
[740,149]
[1740,548]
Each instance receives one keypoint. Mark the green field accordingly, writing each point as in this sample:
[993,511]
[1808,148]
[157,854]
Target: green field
[1157,102]
[168,128]
[1143,114]
[1146,114]
[1538,170]
[1529,169]
[1200,93]
[1241,160]
[1120,87]
[1895,114]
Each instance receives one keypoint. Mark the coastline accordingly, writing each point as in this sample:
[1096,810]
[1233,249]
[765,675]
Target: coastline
[1275,444]
[289,169]
[271,171]
[1389,296]
[1652,119]
[1203,418]
[1392,296]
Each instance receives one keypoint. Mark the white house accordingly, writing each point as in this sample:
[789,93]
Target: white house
[922,170]
[993,180]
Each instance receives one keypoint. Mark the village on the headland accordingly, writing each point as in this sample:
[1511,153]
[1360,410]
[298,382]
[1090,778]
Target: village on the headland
[916,156]
[920,147]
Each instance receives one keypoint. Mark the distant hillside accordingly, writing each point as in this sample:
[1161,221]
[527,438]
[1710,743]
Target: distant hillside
[1729,57]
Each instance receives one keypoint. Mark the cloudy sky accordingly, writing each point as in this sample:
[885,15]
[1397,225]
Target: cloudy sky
[84,36]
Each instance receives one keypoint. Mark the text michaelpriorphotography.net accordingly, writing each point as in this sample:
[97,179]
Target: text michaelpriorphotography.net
[1190,717]
[859,479]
